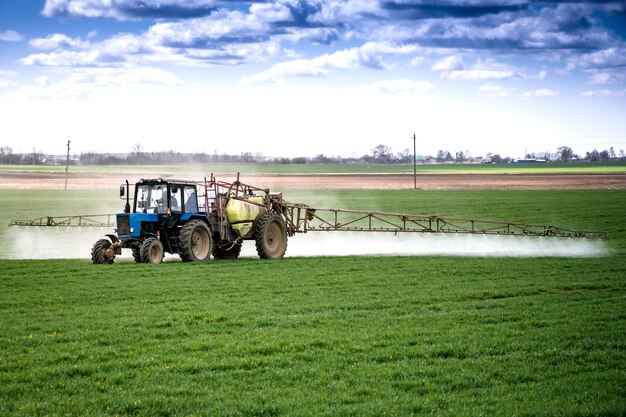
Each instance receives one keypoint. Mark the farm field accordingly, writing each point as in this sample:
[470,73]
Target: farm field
[322,336]
[314,337]
[301,169]
[459,177]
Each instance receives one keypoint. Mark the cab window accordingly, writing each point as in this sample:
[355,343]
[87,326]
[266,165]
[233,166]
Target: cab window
[176,198]
[191,200]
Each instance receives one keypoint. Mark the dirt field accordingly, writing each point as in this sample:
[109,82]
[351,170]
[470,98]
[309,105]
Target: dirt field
[24,180]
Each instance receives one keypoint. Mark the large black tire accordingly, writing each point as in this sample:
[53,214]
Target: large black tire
[194,242]
[151,251]
[226,250]
[137,255]
[271,236]
[100,253]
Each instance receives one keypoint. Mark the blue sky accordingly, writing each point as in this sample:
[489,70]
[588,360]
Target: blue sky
[302,78]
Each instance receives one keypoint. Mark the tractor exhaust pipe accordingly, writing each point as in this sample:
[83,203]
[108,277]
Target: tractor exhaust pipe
[127,206]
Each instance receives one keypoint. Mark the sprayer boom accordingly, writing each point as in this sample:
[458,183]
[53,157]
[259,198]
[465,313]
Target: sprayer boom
[92,220]
[303,218]
[230,205]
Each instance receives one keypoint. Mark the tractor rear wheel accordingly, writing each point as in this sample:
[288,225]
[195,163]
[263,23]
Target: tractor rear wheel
[151,251]
[226,250]
[101,252]
[271,236]
[194,242]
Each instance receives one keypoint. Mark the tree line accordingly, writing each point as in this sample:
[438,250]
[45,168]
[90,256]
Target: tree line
[380,154]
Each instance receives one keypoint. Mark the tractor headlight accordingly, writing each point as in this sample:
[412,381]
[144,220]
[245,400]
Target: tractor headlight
[132,230]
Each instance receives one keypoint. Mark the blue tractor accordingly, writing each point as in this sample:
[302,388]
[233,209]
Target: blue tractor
[195,221]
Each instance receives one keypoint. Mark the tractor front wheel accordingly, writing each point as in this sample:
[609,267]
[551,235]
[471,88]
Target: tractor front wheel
[194,242]
[101,252]
[271,236]
[151,251]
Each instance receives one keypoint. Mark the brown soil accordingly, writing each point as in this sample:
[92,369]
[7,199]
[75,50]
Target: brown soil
[11,180]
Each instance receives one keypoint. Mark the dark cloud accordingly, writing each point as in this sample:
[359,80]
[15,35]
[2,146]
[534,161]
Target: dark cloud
[134,9]
[301,11]
[503,28]
[141,9]
[433,10]
[214,43]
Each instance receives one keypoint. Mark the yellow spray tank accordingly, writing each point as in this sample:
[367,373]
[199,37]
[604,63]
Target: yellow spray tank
[242,214]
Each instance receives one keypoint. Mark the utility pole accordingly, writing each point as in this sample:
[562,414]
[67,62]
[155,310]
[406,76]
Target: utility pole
[414,164]
[67,163]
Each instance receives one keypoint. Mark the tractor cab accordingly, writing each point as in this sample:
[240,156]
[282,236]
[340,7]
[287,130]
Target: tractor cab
[162,197]
[158,207]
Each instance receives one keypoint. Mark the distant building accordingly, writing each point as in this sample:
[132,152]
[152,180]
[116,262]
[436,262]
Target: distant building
[529,161]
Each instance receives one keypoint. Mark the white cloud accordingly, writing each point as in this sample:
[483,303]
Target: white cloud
[543,92]
[10,36]
[604,93]
[487,69]
[479,74]
[602,78]
[317,67]
[492,91]
[482,70]
[366,56]
[7,83]
[82,82]
[7,79]
[224,38]
[70,89]
[65,58]
[123,49]
[400,86]
[451,63]
[605,58]
[56,41]
[232,24]
[270,12]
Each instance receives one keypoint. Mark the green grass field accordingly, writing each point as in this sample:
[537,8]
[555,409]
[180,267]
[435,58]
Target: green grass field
[324,336]
[548,168]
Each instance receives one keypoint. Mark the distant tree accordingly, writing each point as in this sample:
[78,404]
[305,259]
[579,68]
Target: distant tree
[612,153]
[592,156]
[564,154]
[246,157]
[604,156]
[6,155]
[405,156]
[321,159]
[460,157]
[496,159]
[35,158]
[382,154]
[444,156]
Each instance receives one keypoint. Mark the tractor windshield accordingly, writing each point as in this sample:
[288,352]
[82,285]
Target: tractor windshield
[151,198]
